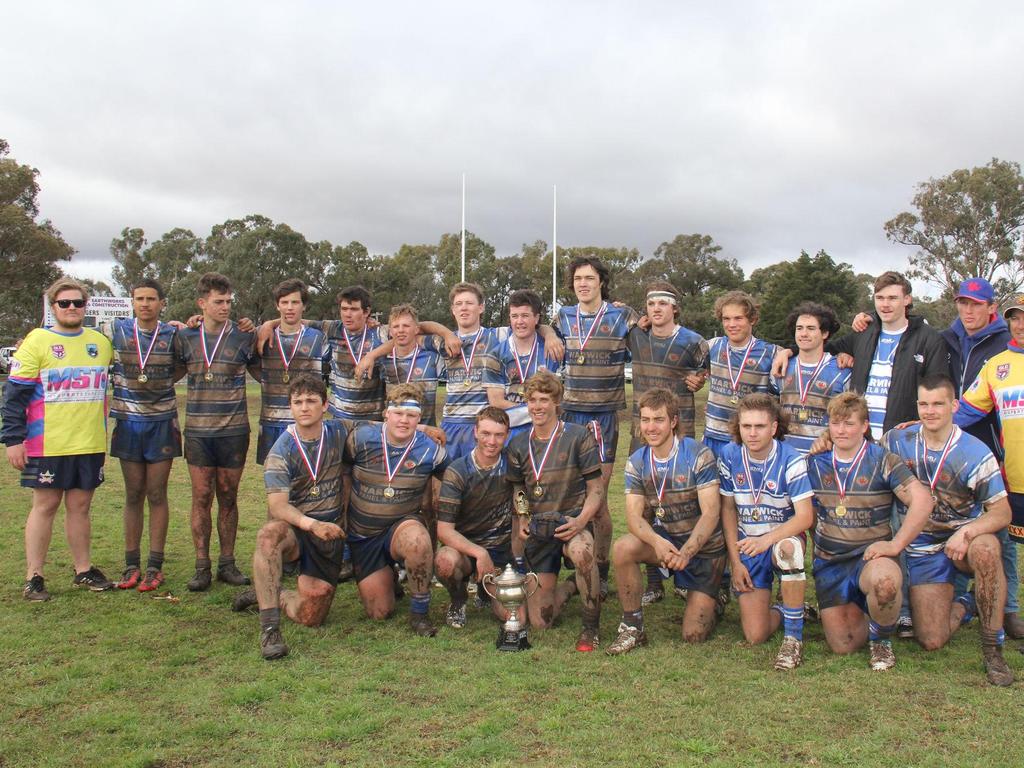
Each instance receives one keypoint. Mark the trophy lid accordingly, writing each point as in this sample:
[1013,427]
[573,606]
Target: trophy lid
[509,577]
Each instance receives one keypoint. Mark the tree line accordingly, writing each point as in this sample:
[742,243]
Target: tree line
[968,223]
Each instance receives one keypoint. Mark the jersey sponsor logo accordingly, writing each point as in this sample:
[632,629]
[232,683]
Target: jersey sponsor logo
[45,477]
[74,384]
[92,350]
[1002,371]
[1011,399]
[57,350]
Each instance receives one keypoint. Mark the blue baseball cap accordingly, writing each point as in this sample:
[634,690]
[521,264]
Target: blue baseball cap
[977,289]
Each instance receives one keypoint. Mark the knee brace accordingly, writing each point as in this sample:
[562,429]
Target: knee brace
[790,568]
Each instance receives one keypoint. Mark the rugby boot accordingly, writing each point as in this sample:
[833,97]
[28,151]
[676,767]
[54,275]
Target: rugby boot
[628,639]
[244,600]
[905,628]
[93,580]
[455,616]
[347,571]
[652,595]
[603,589]
[791,654]
[997,671]
[130,578]
[724,596]
[421,625]
[272,644]
[588,640]
[1013,626]
[201,581]
[35,589]
[682,593]
[882,657]
[811,613]
[151,581]
[229,574]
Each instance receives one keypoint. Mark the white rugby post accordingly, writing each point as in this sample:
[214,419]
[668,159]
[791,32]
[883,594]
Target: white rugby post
[554,247]
[463,238]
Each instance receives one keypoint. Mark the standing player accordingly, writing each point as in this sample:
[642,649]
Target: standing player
[672,510]
[474,516]
[146,435]
[559,467]
[812,378]
[217,355]
[766,509]
[296,349]
[970,507]
[305,476]
[856,572]
[410,362]
[595,333]
[739,364]
[54,416]
[396,478]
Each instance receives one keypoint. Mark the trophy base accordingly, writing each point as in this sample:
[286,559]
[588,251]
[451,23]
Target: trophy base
[515,640]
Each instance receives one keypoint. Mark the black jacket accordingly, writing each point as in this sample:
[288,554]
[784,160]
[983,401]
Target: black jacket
[921,351]
[967,356]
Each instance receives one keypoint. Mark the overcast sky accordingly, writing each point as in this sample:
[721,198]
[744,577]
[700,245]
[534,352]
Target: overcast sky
[773,127]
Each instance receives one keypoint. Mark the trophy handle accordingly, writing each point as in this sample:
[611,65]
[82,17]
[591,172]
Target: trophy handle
[536,583]
[488,579]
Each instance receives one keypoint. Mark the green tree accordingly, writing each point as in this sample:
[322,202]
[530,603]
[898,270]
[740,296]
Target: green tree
[30,250]
[130,264]
[969,223]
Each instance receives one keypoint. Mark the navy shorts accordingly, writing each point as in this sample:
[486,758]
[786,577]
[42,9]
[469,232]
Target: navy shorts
[543,551]
[702,573]
[716,446]
[934,568]
[459,436]
[82,471]
[373,553]
[223,452]
[838,583]
[603,426]
[500,556]
[319,559]
[146,442]
[268,436]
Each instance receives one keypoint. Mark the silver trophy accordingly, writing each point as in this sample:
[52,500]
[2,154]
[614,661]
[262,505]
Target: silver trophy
[510,590]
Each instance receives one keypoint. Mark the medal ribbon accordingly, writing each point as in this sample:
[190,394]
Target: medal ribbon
[209,358]
[954,435]
[579,325]
[472,351]
[734,381]
[412,365]
[287,361]
[515,356]
[348,343]
[314,471]
[774,457]
[138,344]
[854,466]
[659,487]
[387,460]
[595,429]
[804,391]
[538,471]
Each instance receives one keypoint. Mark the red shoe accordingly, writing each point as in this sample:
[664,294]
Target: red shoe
[130,578]
[587,641]
[152,581]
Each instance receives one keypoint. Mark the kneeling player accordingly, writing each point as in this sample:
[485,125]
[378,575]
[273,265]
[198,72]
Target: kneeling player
[856,574]
[396,477]
[304,474]
[970,508]
[474,515]
[560,467]
[672,510]
[766,508]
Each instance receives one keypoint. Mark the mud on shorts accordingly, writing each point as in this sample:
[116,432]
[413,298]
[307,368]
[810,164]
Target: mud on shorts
[372,553]
[603,426]
[703,573]
[83,471]
[543,551]
[146,441]
[319,559]
[837,582]
[226,452]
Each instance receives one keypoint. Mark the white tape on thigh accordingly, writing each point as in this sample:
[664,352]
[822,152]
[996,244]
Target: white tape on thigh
[790,568]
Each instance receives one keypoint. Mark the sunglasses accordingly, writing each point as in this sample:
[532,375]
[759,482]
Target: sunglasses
[65,303]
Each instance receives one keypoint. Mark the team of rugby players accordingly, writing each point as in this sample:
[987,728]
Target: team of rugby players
[892,446]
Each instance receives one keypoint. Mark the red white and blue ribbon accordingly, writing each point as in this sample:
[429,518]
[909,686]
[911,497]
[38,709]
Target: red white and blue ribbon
[138,344]
[313,469]
[843,485]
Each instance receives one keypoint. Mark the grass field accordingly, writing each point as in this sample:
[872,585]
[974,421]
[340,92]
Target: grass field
[119,678]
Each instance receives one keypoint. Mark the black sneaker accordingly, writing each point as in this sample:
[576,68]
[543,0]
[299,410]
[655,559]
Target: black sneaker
[201,581]
[93,579]
[272,644]
[244,600]
[421,625]
[35,589]
[905,628]
[230,574]
[347,571]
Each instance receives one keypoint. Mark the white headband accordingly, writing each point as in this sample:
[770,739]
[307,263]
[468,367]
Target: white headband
[405,405]
[669,297]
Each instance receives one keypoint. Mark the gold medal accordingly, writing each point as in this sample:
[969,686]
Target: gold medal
[841,510]
[755,515]
[208,376]
[538,491]
[580,359]
[660,513]
[389,492]
[285,377]
[143,378]
[734,399]
[802,414]
[314,491]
